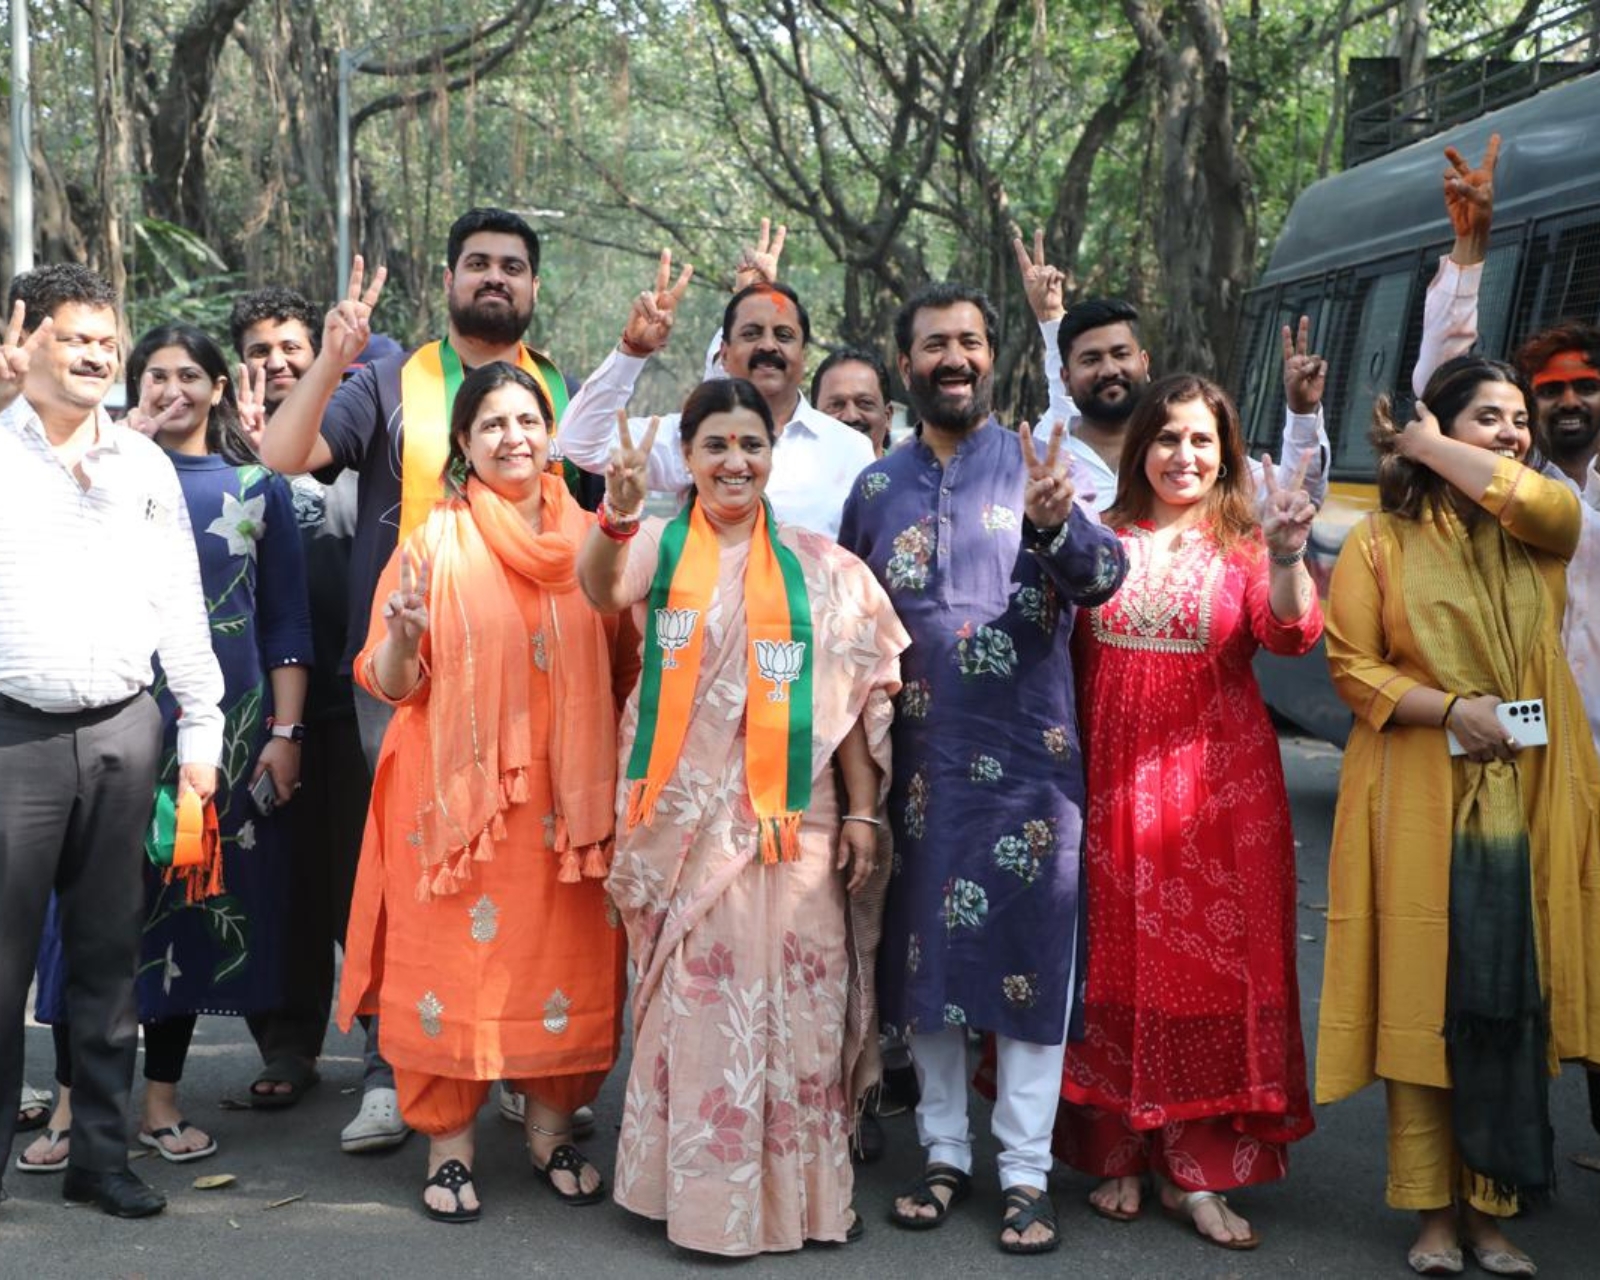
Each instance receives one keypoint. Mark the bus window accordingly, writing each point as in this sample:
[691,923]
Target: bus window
[1255,362]
[1495,292]
[1370,368]
[1563,276]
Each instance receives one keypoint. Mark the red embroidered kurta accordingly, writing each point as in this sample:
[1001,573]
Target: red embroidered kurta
[1192,1007]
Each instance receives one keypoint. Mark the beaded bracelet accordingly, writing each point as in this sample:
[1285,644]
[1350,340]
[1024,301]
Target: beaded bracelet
[1289,559]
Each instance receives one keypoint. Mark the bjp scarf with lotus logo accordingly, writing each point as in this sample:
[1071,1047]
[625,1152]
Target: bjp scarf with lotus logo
[777,615]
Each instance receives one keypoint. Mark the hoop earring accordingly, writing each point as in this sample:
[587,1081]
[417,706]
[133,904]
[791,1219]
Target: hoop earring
[1222,471]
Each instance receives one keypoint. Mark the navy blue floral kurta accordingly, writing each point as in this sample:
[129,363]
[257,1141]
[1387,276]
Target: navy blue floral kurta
[982,921]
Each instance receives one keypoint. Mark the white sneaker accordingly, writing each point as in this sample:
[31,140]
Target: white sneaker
[514,1110]
[377,1125]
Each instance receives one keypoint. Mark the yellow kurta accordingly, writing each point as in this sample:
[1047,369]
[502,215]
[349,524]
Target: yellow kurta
[1383,988]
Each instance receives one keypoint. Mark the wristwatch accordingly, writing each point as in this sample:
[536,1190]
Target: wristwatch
[293,732]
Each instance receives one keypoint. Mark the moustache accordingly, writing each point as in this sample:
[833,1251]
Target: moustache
[493,291]
[951,371]
[1116,380]
[769,359]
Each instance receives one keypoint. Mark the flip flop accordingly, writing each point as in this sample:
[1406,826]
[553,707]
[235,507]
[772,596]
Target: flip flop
[1118,1214]
[43,1166]
[452,1175]
[1184,1211]
[33,1109]
[300,1075]
[568,1159]
[152,1139]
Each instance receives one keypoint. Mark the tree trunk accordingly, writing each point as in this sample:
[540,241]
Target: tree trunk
[112,159]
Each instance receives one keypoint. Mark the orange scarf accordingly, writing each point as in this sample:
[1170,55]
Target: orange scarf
[777,613]
[478,743]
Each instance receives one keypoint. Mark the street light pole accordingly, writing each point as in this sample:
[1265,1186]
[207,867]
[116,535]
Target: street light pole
[21,143]
[347,59]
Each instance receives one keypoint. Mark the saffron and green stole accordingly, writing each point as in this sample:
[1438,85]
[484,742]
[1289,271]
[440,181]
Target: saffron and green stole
[779,653]
[1476,605]
[429,380]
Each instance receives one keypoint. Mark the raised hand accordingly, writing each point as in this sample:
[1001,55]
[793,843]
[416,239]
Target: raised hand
[1469,193]
[252,394]
[758,263]
[655,310]
[147,420]
[1048,491]
[405,613]
[1045,286]
[1287,513]
[1305,376]
[349,325]
[627,474]
[17,352]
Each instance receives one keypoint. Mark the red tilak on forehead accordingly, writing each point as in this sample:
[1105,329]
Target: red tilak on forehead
[779,300]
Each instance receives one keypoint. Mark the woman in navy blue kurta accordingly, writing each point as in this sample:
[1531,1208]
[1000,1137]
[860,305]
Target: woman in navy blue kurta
[219,955]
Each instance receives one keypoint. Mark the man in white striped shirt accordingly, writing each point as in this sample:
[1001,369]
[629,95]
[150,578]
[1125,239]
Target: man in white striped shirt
[98,573]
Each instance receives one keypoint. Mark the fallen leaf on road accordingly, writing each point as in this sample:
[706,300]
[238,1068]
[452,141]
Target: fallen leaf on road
[278,1204]
[211,1181]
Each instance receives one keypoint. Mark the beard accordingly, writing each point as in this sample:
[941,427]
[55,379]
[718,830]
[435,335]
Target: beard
[1096,408]
[1569,435]
[936,407]
[493,319]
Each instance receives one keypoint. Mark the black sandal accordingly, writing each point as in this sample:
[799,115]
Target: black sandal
[568,1159]
[1029,1210]
[943,1176]
[452,1175]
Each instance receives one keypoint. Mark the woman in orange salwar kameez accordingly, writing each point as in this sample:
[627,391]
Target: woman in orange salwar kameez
[480,929]
[748,877]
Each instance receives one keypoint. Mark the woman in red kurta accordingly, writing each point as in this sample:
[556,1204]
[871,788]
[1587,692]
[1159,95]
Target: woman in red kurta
[480,928]
[1191,1065]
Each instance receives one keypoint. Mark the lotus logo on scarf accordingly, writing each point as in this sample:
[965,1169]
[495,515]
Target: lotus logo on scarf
[673,629]
[780,661]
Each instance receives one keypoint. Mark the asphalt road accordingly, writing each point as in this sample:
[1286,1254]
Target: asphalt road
[357,1217]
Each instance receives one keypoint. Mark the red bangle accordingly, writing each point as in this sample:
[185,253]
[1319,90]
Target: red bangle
[612,531]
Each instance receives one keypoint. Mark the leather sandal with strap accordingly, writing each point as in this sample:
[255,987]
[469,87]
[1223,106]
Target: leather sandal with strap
[943,1177]
[452,1175]
[1030,1207]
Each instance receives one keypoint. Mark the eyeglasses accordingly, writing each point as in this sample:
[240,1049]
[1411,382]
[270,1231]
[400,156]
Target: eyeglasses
[1583,388]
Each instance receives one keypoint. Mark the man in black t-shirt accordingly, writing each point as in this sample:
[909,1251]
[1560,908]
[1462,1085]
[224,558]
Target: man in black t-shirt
[491,282]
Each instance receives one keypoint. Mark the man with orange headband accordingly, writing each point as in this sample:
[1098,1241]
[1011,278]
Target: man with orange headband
[765,331]
[1563,365]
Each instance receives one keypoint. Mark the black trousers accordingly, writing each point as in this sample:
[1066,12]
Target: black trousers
[76,793]
[326,822]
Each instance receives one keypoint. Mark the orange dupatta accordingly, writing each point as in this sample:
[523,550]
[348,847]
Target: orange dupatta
[478,745]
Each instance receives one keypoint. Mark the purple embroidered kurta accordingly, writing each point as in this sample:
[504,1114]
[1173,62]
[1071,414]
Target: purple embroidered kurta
[982,922]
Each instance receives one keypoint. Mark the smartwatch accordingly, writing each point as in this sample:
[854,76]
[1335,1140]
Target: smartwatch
[293,732]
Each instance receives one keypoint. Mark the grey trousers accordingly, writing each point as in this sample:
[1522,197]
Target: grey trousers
[76,793]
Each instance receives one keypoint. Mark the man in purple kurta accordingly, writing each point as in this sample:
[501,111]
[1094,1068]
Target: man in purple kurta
[985,553]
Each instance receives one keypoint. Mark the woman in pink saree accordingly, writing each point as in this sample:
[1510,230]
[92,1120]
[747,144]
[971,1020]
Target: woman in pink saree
[748,870]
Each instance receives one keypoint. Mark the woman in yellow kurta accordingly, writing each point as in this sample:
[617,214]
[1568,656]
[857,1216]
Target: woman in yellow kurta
[1463,959]
[480,927]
